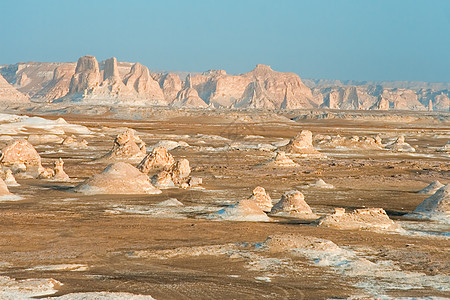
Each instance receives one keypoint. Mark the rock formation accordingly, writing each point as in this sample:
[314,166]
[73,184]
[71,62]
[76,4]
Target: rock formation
[60,174]
[118,178]
[86,77]
[244,210]
[21,156]
[321,184]
[301,145]
[170,84]
[293,205]
[71,141]
[4,189]
[158,158]
[436,206]
[188,97]
[146,87]
[9,93]
[127,147]
[400,145]
[354,142]
[261,198]
[280,160]
[289,241]
[175,175]
[373,219]
[59,86]
[431,188]
[10,180]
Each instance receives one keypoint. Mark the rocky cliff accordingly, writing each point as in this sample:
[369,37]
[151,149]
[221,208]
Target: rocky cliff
[114,82]
[9,93]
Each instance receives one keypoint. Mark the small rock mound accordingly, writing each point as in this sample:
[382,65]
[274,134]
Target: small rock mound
[10,180]
[321,184]
[261,198]
[293,205]
[301,145]
[281,160]
[127,147]
[354,142]
[170,202]
[158,158]
[175,175]
[244,210]
[71,141]
[21,156]
[436,206]
[431,188]
[118,178]
[400,145]
[60,174]
[4,189]
[289,241]
[373,219]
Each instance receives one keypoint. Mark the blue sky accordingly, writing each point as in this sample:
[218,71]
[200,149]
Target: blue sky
[346,39]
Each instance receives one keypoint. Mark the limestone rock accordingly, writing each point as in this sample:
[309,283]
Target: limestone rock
[244,210]
[373,219]
[158,158]
[436,206]
[281,160]
[189,98]
[289,241]
[86,77]
[292,204]
[60,174]
[10,180]
[175,175]
[4,189]
[118,178]
[261,198]
[127,147]
[301,145]
[71,141]
[170,84]
[21,156]
[321,184]
[146,87]
[59,86]
[9,93]
[400,145]
[431,188]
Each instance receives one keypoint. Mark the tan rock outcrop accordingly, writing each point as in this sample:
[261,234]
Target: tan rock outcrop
[86,77]
[280,160]
[118,178]
[10,180]
[373,219]
[9,93]
[436,206]
[4,189]
[146,87]
[244,210]
[400,145]
[261,198]
[170,84]
[158,158]
[175,175]
[71,141]
[293,205]
[431,188]
[60,174]
[301,145]
[21,156]
[127,147]
[59,86]
[188,97]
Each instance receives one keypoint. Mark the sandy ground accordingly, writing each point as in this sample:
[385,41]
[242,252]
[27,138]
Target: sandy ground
[127,243]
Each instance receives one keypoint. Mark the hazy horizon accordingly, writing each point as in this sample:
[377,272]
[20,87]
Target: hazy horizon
[336,40]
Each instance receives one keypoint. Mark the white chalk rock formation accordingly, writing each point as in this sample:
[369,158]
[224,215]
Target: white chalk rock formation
[158,158]
[400,145]
[189,98]
[293,205]
[170,84]
[321,184]
[118,178]
[436,206]
[72,142]
[9,93]
[60,174]
[21,156]
[86,77]
[301,145]
[431,188]
[281,160]
[372,219]
[261,198]
[244,210]
[4,188]
[10,180]
[289,241]
[175,175]
[170,202]
[127,147]
[59,86]
[139,79]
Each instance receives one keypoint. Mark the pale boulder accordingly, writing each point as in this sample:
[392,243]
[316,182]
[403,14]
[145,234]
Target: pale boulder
[293,205]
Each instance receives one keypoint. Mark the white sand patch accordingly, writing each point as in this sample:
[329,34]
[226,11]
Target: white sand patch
[6,198]
[61,267]
[12,289]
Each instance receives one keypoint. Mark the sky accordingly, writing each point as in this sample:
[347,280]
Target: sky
[406,40]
